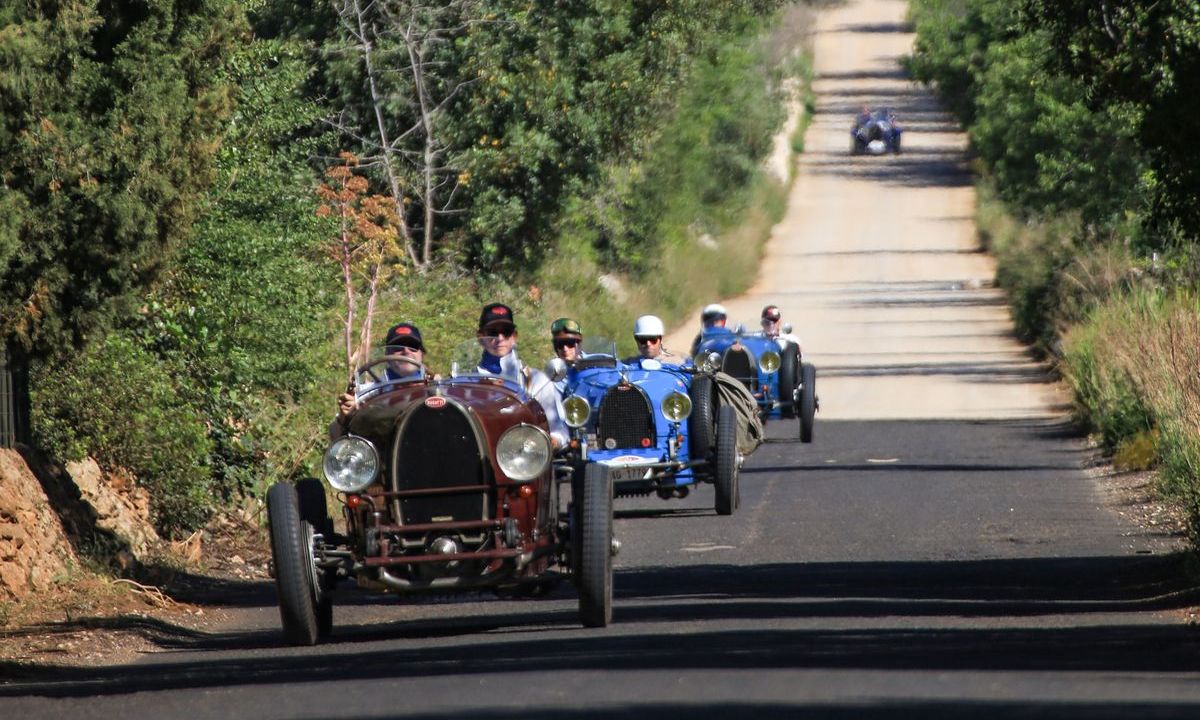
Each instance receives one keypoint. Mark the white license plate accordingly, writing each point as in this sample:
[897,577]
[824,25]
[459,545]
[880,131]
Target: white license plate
[634,472]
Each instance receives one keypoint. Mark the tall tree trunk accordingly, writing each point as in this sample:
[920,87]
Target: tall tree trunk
[14,398]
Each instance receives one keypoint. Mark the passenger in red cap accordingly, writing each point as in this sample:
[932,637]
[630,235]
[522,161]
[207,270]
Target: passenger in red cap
[497,334]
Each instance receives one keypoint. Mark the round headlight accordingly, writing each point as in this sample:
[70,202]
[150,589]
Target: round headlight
[523,452]
[577,411]
[351,464]
[676,406]
[710,362]
[768,362]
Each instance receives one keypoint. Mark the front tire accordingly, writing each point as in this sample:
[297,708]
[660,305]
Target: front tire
[291,550]
[725,475]
[700,422]
[808,401]
[789,376]
[314,511]
[595,575]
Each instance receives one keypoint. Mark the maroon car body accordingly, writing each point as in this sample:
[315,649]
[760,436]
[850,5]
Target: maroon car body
[464,495]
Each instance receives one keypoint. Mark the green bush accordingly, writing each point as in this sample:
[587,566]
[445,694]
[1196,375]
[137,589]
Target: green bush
[121,405]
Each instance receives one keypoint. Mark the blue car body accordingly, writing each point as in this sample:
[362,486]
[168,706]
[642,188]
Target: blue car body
[875,133]
[627,429]
[741,356]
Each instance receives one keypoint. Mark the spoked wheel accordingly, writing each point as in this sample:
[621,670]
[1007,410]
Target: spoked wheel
[314,513]
[701,421]
[594,577]
[808,401]
[725,470]
[789,380]
[296,577]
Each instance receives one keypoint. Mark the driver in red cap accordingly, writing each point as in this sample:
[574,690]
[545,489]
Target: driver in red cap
[403,340]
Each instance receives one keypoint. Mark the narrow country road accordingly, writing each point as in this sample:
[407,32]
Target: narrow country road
[876,263]
[940,551]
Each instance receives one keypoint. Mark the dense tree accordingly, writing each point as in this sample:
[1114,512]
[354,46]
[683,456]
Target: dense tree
[1139,61]
[108,115]
[1050,146]
[234,332]
[524,103]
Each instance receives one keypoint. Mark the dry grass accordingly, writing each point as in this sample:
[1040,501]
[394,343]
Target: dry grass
[1144,346]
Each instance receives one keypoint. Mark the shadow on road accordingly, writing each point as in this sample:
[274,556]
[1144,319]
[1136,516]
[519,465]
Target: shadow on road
[517,642]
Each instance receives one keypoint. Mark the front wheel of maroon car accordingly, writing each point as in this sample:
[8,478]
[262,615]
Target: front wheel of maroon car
[291,550]
[595,578]
[725,472]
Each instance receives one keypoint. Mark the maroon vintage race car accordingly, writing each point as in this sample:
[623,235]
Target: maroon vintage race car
[446,484]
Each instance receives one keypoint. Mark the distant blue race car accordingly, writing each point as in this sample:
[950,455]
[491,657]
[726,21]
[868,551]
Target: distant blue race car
[655,428]
[771,369]
[875,132]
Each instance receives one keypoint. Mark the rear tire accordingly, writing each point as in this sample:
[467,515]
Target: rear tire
[292,553]
[595,576]
[700,422]
[725,470]
[808,401]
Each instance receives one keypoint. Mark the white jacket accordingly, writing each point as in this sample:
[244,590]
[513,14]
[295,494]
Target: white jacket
[539,387]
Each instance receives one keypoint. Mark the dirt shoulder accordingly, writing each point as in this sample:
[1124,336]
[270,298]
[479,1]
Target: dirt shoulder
[92,618]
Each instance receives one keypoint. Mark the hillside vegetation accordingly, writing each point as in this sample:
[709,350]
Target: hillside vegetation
[1080,115]
[590,157]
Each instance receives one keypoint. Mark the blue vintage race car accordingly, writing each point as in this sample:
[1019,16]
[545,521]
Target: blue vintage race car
[875,132]
[771,369]
[653,427]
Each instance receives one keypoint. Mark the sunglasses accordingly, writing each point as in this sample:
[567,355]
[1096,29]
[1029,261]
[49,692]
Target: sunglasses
[404,347]
[568,343]
[648,340]
[500,333]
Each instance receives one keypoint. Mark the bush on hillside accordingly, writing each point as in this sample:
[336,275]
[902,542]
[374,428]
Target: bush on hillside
[126,408]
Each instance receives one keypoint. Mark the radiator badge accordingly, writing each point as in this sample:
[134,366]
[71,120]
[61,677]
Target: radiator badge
[435,402]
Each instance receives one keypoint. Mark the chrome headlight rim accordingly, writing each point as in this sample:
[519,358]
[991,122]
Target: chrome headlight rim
[769,361]
[708,362]
[350,464]
[576,411]
[676,406]
[523,452]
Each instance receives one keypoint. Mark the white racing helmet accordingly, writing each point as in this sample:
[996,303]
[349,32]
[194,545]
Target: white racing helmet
[713,311]
[648,326]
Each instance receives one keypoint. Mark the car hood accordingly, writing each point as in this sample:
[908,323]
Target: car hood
[494,403]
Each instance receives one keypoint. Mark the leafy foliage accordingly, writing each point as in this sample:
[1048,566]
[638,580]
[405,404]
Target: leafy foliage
[234,336]
[117,403]
[108,118]
[1048,149]
[1138,61]
[544,95]
[231,348]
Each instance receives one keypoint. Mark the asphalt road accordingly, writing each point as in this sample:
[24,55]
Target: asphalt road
[941,550]
[890,569]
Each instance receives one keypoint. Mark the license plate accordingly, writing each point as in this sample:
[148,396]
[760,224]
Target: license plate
[634,472]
